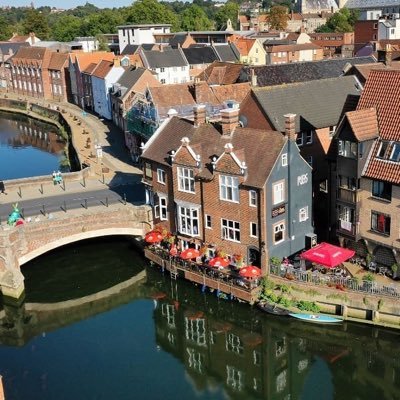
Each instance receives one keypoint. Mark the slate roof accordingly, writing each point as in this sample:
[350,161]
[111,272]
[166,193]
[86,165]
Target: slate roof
[129,78]
[226,52]
[364,124]
[130,49]
[269,75]
[177,40]
[200,55]
[166,58]
[5,47]
[360,4]
[208,141]
[221,73]
[318,104]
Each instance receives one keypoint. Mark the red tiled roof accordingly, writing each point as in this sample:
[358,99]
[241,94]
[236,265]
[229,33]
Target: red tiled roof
[19,38]
[382,92]
[84,59]
[221,73]
[383,170]
[102,69]
[293,47]
[32,55]
[90,68]
[58,61]
[171,95]
[364,124]
[244,45]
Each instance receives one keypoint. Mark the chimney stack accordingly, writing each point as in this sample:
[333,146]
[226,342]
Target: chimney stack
[388,55]
[117,62]
[253,78]
[290,126]
[199,115]
[229,120]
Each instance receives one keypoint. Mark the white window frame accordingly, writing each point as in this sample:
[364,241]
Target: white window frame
[278,192]
[253,225]
[252,198]
[309,137]
[229,188]
[208,221]
[279,227]
[186,180]
[162,204]
[161,176]
[299,139]
[230,230]
[284,160]
[303,214]
[188,220]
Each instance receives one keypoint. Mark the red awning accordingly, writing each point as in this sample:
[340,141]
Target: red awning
[328,255]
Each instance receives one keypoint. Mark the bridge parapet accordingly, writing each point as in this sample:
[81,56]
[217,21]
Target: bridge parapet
[20,244]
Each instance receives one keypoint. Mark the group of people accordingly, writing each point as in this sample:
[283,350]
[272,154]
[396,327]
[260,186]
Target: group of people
[57,178]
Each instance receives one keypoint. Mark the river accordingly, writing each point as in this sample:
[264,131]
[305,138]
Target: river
[29,147]
[99,323]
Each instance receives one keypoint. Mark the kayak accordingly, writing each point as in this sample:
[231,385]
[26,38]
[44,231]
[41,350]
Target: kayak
[272,309]
[317,318]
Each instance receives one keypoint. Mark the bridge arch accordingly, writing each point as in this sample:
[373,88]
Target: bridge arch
[84,235]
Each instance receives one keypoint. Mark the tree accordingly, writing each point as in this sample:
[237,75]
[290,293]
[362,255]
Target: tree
[341,21]
[278,18]
[229,11]
[66,28]
[105,21]
[103,46]
[37,23]
[5,29]
[195,19]
[151,12]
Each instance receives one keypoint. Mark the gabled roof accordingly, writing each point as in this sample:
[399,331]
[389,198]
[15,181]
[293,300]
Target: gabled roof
[279,74]
[221,73]
[166,58]
[58,61]
[293,47]
[200,55]
[84,59]
[382,91]
[130,49]
[318,104]
[129,78]
[364,124]
[102,69]
[208,142]
[39,55]
[19,38]
[90,68]
[167,96]
[244,45]
[226,52]
[178,39]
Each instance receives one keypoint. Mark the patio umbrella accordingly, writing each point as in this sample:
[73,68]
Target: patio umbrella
[218,262]
[250,272]
[328,255]
[173,250]
[189,254]
[153,237]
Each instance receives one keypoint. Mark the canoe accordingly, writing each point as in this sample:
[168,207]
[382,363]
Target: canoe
[316,318]
[272,309]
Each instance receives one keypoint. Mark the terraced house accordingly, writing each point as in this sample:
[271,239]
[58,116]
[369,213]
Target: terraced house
[368,171]
[243,191]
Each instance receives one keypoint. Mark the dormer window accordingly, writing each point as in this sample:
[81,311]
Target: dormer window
[186,180]
[347,149]
[382,150]
[229,188]
[395,155]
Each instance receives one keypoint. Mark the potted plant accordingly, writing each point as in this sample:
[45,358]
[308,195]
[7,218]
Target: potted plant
[395,268]
[238,258]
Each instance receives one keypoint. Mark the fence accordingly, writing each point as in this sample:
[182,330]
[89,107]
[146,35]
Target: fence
[338,282]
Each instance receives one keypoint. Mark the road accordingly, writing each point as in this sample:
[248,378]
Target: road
[132,193]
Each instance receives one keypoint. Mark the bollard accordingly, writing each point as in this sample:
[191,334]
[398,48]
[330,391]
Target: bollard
[63,186]
[84,182]
[106,201]
[104,179]
[20,192]
[65,206]
[41,188]
[86,204]
[124,199]
[22,213]
[43,209]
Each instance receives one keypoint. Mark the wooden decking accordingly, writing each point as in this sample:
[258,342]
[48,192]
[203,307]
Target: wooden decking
[191,272]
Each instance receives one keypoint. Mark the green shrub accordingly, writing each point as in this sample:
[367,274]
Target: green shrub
[303,305]
[369,277]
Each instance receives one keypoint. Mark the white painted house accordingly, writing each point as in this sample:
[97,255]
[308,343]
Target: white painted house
[103,77]
[389,28]
[170,65]
[139,34]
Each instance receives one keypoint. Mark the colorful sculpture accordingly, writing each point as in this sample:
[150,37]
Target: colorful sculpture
[15,216]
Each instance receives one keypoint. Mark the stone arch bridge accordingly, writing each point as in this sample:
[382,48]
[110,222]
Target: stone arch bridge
[20,244]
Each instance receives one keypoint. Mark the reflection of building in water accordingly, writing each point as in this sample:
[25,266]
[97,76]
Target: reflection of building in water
[255,357]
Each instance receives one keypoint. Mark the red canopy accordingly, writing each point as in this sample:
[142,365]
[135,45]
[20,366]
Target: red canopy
[218,262]
[250,272]
[153,237]
[189,254]
[327,255]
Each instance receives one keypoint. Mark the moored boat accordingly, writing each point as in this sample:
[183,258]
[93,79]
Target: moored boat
[316,318]
[272,309]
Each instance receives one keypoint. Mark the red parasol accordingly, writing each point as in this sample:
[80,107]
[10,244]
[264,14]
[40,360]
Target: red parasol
[153,237]
[219,262]
[173,251]
[328,255]
[189,254]
[250,272]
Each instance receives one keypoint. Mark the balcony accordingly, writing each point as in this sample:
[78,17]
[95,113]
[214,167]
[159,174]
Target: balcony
[347,195]
[346,228]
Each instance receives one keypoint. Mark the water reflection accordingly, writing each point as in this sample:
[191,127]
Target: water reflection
[256,356]
[159,338]
[29,147]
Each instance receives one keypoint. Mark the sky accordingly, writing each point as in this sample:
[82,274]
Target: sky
[66,3]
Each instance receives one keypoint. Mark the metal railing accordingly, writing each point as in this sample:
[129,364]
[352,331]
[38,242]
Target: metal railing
[338,282]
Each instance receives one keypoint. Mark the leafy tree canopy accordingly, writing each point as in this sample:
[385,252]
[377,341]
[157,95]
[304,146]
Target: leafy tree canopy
[67,28]
[151,12]
[229,11]
[278,18]
[195,19]
[341,21]
[36,22]
[6,30]
[104,21]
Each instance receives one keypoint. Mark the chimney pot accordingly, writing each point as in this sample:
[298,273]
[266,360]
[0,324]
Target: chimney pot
[199,115]
[229,120]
